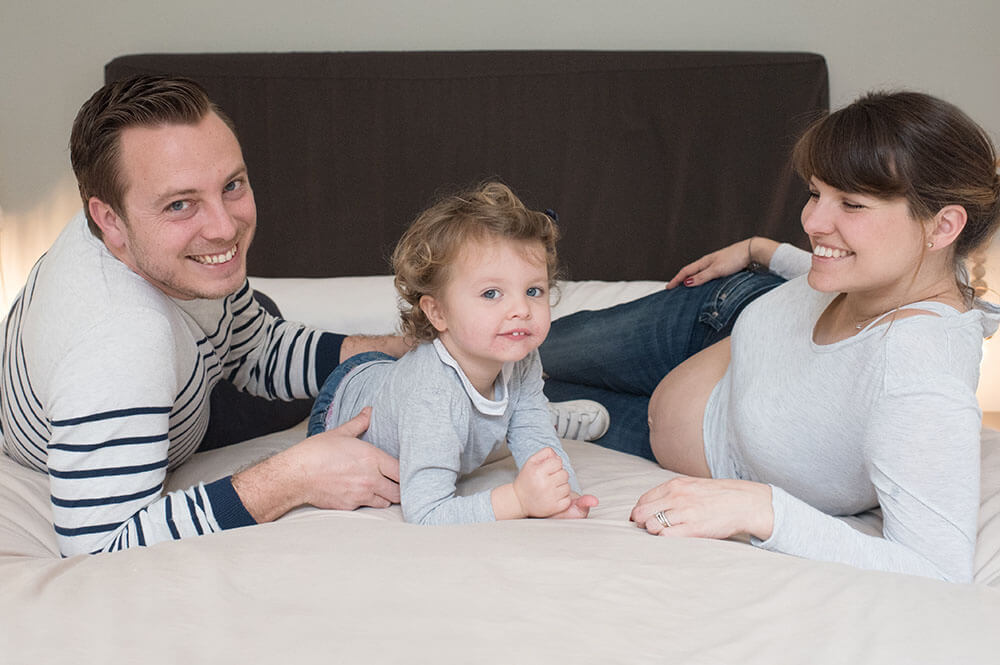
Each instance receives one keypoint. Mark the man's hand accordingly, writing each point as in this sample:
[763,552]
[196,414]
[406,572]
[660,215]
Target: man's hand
[333,470]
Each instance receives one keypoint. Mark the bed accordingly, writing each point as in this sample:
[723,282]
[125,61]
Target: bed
[650,159]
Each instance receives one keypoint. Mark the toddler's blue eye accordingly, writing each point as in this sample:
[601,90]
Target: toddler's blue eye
[535,291]
[491,294]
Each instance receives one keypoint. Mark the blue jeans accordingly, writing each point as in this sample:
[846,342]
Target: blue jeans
[317,417]
[617,356]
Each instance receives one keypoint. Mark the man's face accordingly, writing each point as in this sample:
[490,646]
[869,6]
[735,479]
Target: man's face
[189,210]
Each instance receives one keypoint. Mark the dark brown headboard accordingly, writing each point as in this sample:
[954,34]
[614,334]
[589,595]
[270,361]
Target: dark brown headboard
[650,159]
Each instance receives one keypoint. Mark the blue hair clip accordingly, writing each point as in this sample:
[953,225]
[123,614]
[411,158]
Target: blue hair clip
[551,213]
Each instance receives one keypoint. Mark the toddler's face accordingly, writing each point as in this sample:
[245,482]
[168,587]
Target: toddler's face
[495,305]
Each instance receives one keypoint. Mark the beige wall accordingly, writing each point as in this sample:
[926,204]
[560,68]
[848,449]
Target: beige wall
[52,55]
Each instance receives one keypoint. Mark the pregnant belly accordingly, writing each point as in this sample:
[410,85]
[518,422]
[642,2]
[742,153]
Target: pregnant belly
[677,409]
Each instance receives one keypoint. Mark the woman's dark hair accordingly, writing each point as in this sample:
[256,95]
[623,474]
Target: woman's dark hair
[909,144]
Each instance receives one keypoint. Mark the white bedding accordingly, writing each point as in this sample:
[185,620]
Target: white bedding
[344,587]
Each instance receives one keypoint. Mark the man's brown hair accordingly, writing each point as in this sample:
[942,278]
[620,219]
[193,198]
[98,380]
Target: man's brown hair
[141,101]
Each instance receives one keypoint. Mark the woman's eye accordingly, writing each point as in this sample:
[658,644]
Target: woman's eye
[232,186]
[813,194]
[535,291]
[852,206]
[491,294]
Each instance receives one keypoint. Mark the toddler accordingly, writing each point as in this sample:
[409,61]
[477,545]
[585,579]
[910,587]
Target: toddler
[475,273]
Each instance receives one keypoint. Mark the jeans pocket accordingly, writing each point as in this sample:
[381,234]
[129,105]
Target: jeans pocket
[732,294]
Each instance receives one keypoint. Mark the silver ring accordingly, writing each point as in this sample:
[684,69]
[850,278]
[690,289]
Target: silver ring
[661,517]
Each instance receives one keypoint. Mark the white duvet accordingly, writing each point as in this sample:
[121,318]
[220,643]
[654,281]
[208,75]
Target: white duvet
[365,587]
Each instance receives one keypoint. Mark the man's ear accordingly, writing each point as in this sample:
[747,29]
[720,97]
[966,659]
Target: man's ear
[110,223]
[947,225]
[432,309]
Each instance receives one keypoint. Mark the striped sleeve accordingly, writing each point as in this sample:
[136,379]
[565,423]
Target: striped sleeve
[110,405]
[273,358]
[108,495]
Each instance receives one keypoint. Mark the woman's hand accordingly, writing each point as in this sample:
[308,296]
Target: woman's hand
[726,261]
[706,508]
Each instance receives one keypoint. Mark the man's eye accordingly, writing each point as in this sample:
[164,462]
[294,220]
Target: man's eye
[491,294]
[232,186]
[178,206]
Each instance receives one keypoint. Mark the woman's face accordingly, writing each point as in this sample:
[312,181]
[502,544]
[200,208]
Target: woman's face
[861,243]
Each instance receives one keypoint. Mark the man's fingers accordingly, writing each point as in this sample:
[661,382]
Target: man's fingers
[387,489]
[377,502]
[357,425]
[388,465]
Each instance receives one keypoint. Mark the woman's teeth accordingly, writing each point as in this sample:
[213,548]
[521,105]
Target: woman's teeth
[830,252]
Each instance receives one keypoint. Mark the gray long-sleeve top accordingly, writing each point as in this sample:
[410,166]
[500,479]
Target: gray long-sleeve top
[887,418]
[426,412]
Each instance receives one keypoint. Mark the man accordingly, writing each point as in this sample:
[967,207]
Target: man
[134,314]
[139,308]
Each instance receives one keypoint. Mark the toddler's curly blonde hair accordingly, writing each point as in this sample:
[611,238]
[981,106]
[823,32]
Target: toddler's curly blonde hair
[424,254]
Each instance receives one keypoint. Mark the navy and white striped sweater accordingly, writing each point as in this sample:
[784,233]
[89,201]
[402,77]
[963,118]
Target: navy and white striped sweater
[105,387]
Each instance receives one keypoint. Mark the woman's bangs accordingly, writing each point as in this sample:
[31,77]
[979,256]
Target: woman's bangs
[850,155]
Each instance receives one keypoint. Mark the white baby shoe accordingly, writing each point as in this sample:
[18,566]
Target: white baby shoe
[579,419]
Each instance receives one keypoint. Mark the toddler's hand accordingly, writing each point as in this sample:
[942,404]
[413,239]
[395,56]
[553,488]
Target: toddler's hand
[542,485]
[578,509]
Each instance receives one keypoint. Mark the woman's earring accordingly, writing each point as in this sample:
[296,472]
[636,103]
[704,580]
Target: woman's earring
[930,244]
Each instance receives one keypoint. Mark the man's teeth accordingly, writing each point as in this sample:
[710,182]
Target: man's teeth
[216,258]
[830,252]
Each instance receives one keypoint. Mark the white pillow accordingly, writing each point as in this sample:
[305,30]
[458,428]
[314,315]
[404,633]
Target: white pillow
[368,305]
[348,305]
[572,296]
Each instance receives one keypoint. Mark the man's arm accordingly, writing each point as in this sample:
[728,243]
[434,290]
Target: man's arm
[279,359]
[114,428]
[394,345]
[108,496]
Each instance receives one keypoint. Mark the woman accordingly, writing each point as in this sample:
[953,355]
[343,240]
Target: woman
[850,387]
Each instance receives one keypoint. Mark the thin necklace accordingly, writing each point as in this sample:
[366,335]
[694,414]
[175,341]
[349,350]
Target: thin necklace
[861,323]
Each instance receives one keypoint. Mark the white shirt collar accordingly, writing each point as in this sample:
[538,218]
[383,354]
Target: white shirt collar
[490,407]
